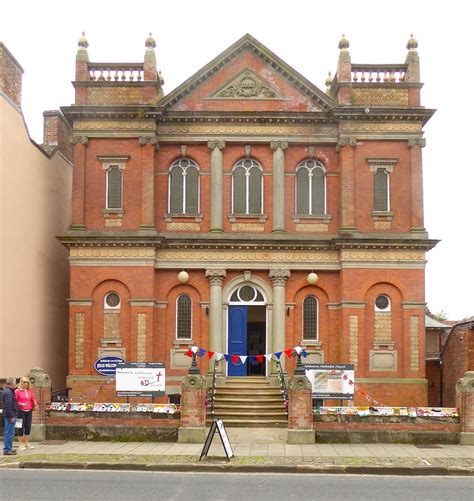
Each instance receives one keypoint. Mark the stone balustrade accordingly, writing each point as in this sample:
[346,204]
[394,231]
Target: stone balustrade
[115,72]
[376,73]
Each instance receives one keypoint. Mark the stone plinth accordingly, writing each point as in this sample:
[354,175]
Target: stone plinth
[41,386]
[465,402]
[300,411]
[193,410]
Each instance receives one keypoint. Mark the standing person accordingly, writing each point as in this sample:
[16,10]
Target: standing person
[26,404]
[10,413]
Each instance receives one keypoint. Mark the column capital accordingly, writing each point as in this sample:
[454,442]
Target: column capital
[279,277]
[216,144]
[274,145]
[153,140]
[79,140]
[416,141]
[215,277]
[346,141]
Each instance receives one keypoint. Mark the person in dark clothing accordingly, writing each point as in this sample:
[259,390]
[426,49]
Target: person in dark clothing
[10,413]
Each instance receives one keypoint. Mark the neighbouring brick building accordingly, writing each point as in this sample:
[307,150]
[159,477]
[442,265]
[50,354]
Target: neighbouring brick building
[248,212]
[35,205]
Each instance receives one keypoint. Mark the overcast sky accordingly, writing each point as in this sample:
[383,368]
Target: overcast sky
[43,35]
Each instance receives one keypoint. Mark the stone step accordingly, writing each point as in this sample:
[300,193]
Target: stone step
[253,423]
[250,406]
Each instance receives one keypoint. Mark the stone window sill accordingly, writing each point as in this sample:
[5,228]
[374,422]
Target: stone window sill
[194,217]
[311,343]
[107,212]
[233,218]
[185,342]
[382,215]
[319,218]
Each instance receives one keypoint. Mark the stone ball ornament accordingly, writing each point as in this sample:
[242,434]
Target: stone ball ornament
[312,278]
[183,276]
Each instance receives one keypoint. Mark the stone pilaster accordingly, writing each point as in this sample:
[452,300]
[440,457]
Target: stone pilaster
[278,148]
[216,278]
[279,279]
[193,410]
[300,411]
[149,145]
[216,185]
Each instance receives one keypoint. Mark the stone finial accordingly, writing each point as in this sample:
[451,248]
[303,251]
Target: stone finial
[82,42]
[412,44]
[329,80]
[343,43]
[150,42]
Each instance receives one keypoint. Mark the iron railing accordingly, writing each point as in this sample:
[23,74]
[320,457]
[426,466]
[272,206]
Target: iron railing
[283,390]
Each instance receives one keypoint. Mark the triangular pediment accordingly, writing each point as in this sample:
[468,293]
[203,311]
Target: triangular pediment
[242,75]
[247,85]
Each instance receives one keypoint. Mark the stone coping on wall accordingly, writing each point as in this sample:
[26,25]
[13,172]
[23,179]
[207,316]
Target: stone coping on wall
[409,412]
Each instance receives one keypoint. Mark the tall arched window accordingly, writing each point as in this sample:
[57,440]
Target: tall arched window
[184,187]
[381,190]
[183,317]
[247,187]
[310,318]
[310,188]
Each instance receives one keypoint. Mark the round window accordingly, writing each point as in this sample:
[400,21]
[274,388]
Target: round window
[247,293]
[112,300]
[382,303]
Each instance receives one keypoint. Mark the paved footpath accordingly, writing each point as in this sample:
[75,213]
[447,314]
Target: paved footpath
[254,450]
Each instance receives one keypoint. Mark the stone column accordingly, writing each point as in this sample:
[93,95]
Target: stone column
[278,194]
[346,148]
[149,144]
[300,411]
[216,185]
[465,403]
[193,410]
[215,277]
[416,179]
[79,181]
[279,279]
[41,386]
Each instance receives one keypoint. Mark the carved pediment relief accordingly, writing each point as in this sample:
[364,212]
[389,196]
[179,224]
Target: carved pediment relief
[246,85]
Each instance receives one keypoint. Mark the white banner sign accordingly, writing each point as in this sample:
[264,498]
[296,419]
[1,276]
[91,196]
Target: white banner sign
[140,379]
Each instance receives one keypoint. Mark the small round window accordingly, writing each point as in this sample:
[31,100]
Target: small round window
[112,301]
[382,303]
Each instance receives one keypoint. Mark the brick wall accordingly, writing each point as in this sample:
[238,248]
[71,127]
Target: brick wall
[457,358]
[11,74]
[57,133]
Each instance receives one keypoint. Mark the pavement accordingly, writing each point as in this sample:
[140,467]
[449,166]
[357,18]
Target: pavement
[255,450]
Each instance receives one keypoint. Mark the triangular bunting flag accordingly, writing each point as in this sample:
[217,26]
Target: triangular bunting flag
[194,349]
[278,354]
[235,359]
[226,357]
[243,358]
[259,358]
[210,354]
[219,356]
[288,352]
[269,356]
[202,351]
[189,353]
[304,353]
[251,358]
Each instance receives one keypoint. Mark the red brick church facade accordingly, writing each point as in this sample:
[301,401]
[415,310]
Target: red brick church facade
[248,206]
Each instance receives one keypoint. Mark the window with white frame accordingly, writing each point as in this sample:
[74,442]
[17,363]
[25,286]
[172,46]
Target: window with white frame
[183,193]
[382,303]
[247,187]
[382,169]
[111,301]
[183,317]
[114,169]
[310,188]
[310,318]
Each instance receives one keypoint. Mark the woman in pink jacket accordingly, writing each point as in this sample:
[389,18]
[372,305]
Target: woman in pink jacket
[26,404]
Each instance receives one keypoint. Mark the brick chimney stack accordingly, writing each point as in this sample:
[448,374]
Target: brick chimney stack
[56,133]
[11,74]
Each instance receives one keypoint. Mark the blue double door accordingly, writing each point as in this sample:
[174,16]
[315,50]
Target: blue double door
[247,336]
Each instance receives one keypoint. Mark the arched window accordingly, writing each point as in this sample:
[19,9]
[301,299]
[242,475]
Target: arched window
[247,187]
[310,188]
[114,187]
[183,317]
[310,318]
[184,187]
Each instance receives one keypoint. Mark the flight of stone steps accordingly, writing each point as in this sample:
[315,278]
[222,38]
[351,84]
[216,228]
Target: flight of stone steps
[249,402]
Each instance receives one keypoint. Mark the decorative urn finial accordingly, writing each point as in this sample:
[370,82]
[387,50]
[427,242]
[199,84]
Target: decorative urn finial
[329,79]
[412,44]
[150,42]
[343,43]
[82,42]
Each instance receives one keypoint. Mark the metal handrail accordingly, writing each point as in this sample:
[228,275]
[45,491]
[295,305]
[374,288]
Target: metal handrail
[281,379]
[212,392]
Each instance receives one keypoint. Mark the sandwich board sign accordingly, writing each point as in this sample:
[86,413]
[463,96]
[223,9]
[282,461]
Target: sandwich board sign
[219,426]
